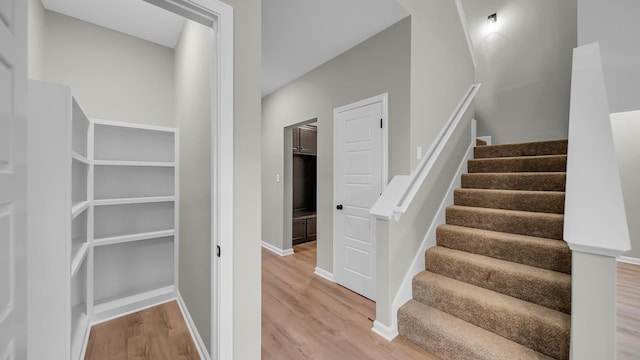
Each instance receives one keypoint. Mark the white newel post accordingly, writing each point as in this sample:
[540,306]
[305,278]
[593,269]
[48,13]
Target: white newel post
[595,223]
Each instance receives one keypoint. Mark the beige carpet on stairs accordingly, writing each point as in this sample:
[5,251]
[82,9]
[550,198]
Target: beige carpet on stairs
[498,283]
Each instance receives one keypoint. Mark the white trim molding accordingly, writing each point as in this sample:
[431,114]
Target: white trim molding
[193,330]
[387,332]
[276,250]
[467,34]
[324,274]
[629,260]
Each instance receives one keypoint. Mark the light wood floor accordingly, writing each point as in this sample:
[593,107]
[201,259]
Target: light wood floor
[628,312]
[307,317]
[158,333]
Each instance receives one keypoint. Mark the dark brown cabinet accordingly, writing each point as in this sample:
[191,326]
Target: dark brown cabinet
[305,140]
[303,229]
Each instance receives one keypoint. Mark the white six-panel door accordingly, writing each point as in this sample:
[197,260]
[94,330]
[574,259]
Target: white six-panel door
[358,182]
[13,179]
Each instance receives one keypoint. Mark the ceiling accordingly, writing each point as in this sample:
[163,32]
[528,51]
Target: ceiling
[297,35]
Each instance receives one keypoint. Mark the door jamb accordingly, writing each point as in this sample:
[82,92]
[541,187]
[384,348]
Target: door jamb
[218,16]
[384,99]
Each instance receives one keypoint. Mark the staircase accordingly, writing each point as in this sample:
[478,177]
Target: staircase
[498,284]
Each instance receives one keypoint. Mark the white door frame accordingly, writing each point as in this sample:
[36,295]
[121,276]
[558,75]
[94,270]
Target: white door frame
[383,99]
[218,16]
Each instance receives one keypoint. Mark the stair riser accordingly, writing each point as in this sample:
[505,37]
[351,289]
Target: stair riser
[532,224]
[549,336]
[515,181]
[546,202]
[551,255]
[551,290]
[521,164]
[557,147]
[449,339]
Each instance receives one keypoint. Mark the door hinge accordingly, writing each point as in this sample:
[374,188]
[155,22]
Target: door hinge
[380,123]
[218,250]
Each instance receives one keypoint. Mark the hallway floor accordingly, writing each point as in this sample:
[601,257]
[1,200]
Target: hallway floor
[307,317]
[628,310]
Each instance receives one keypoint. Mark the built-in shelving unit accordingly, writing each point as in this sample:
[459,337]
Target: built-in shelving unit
[59,220]
[103,234]
[135,192]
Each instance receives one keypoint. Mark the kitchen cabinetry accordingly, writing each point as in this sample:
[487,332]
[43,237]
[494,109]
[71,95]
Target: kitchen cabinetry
[305,140]
[303,227]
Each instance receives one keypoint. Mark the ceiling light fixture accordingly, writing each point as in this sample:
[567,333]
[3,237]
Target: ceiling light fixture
[492,21]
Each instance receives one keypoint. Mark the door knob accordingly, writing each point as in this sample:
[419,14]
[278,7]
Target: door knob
[339,207]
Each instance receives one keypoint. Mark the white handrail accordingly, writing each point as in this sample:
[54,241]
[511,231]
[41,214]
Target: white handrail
[595,219]
[399,194]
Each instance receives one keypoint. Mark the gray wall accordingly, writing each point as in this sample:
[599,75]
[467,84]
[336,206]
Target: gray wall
[524,67]
[441,69]
[246,173]
[193,116]
[378,65]
[114,76]
[625,134]
[614,24]
[35,39]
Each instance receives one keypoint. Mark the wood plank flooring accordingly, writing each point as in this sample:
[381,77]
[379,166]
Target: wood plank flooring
[307,317]
[628,310]
[158,333]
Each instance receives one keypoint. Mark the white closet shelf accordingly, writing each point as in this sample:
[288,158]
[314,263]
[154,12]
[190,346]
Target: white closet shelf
[133,163]
[79,157]
[133,237]
[133,126]
[78,328]
[119,301]
[78,208]
[140,200]
[78,254]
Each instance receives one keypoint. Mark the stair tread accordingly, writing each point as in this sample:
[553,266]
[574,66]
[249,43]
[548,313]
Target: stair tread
[541,286]
[523,200]
[506,211]
[534,326]
[533,148]
[544,253]
[537,181]
[449,337]
[537,224]
[538,163]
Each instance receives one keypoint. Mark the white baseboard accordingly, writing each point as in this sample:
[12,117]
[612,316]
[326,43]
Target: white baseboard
[324,274]
[276,250]
[195,335]
[404,294]
[629,260]
[485,138]
[387,332]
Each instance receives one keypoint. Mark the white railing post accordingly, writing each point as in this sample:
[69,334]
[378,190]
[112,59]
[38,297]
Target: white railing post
[595,223]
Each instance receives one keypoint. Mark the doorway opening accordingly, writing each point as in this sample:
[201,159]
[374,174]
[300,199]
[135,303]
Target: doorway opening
[300,184]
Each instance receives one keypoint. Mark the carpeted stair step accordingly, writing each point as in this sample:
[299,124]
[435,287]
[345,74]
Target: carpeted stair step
[540,181]
[555,147]
[545,163]
[480,142]
[547,288]
[536,327]
[451,338]
[509,221]
[528,250]
[522,200]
